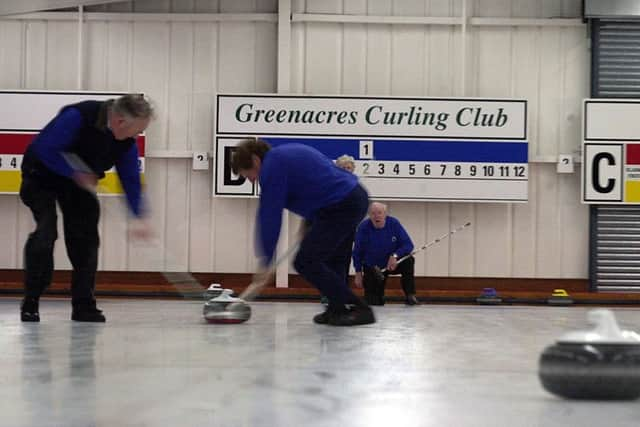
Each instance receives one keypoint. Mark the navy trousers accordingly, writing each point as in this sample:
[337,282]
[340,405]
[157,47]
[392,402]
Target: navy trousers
[325,250]
[374,287]
[80,214]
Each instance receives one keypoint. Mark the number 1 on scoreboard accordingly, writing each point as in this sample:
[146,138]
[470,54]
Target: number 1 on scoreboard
[366,149]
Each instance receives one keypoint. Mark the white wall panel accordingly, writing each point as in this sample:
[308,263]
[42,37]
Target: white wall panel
[407,61]
[413,217]
[462,255]
[266,46]
[548,248]
[354,59]
[36,59]
[201,235]
[378,75]
[526,84]
[177,214]
[61,55]
[523,233]
[95,49]
[442,63]
[492,52]
[493,240]
[437,222]
[181,65]
[180,85]
[323,58]
[120,60]
[11,54]
[574,220]
[575,86]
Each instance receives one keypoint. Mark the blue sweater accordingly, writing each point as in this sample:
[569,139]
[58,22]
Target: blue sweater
[373,246]
[60,135]
[298,178]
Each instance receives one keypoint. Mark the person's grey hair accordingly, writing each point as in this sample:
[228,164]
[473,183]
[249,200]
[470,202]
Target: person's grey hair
[345,158]
[134,106]
[382,205]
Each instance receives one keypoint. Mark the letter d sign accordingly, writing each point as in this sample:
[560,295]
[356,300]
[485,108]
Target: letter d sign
[225,182]
[602,173]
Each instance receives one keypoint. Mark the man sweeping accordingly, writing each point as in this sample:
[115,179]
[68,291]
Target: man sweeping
[98,135]
[304,181]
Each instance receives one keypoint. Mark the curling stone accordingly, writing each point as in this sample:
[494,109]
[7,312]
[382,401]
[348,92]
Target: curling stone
[559,297]
[489,296]
[214,290]
[601,364]
[226,308]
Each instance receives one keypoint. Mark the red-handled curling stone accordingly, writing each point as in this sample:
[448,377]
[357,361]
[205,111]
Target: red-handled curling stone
[601,364]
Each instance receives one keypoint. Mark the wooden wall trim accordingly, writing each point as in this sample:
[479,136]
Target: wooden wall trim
[113,282]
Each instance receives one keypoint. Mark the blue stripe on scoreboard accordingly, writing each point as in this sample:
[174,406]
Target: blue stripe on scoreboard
[418,150]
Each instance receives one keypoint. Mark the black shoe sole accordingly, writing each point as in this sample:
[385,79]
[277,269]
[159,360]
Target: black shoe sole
[29,317]
[321,319]
[92,319]
[353,319]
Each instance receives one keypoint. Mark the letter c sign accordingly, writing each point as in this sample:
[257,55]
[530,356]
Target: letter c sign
[602,178]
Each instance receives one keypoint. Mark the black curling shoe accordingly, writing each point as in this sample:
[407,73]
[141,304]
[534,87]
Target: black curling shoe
[356,315]
[29,310]
[412,300]
[331,311]
[322,318]
[86,311]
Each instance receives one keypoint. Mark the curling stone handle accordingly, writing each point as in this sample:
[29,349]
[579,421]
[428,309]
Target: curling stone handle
[605,323]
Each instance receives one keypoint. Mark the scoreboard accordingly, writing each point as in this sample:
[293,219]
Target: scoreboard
[439,149]
[611,151]
[23,114]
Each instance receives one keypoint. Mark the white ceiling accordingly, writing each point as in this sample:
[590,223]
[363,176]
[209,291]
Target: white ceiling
[13,7]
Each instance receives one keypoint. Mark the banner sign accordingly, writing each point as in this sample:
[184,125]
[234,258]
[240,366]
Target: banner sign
[611,151]
[404,148]
[24,113]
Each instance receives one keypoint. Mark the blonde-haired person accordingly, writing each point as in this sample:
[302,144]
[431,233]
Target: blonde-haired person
[62,165]
[346,162]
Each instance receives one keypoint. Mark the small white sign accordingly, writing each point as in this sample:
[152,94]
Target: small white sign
[565,163]
[200,161]
[366,150]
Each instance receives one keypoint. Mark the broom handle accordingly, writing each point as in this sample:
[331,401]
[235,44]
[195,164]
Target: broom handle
[255,287]
[433,242]
[183,282]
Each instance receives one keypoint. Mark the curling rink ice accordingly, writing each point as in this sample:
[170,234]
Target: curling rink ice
[157,363]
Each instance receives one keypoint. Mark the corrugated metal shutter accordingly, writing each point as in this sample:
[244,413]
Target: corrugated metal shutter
[616,59]
[616,263]
[615,230]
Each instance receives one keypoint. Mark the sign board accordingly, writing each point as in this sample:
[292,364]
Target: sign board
[611,151]
[23,114]
[429,149]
